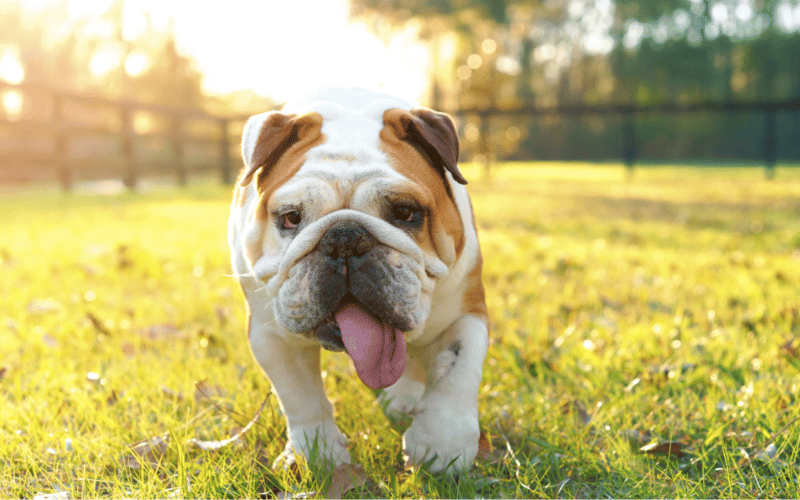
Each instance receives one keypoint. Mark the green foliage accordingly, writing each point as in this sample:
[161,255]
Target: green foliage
[575,52]
[662,309]
[402,10]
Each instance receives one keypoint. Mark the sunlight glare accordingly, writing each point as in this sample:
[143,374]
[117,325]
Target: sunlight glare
[288,48]
[80,8]
[137,63]
[105,60]
[276,48]
[11,69]
[12,104]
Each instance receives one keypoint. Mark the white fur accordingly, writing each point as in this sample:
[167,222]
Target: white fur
[446,413]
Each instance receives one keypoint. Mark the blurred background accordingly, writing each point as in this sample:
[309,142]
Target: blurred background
[130,90]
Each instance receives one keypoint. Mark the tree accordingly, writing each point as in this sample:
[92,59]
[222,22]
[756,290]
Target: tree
[91,54]
[606,51]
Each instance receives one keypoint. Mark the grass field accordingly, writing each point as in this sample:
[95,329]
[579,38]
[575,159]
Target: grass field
[645,343]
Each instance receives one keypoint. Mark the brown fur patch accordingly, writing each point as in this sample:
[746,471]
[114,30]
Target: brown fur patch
[475,296]
[433,193]
[432,133]
[280,152]
[239,191]
[280,139]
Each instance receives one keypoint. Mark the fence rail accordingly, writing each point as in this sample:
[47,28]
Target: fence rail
[61,127]
[630,146]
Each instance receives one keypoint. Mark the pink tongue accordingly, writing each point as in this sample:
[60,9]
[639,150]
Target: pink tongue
[378,351]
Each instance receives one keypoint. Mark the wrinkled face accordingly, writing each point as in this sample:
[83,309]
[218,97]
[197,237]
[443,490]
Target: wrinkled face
[352,234]
[363,248]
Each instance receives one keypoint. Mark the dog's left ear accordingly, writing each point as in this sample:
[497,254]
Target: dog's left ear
[430,132]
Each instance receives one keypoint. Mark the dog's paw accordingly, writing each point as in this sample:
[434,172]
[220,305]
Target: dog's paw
[399,400]
[443,436]
[287,460]
[323,445]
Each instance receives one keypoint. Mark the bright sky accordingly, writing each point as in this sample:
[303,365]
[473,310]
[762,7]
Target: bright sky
[280,48]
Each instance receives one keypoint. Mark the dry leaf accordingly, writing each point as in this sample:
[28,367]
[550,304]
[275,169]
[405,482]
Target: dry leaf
[49,340]
[97,324]
[792,347]
[3,371]
[146,451]
[114,397]
[131,462]
[302,495]
[223,314]
[173,394]
[486,450]
[175,493]
[12,325]
[561,485]
[634,383]
[58,495]
[768,453]
[345,478]
[216,445]
[203,391]
[637,438]
[578,409]
[667,448]
[89,269]
[484,444]
[152,448]
[768,447]
[162,332]
[128,350]
[123,260]
[42,306]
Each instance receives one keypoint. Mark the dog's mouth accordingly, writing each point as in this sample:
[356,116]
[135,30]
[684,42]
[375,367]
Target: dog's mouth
[378,349]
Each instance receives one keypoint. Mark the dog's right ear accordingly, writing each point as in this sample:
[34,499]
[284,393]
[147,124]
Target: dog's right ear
[268,136]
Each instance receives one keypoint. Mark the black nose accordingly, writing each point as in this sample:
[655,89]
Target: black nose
[346,239]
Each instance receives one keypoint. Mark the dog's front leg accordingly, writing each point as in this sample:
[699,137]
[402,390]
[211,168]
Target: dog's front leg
[294,371]
[446,423]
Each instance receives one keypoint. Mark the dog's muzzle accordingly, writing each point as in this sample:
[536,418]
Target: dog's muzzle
[358,322]
[343,241]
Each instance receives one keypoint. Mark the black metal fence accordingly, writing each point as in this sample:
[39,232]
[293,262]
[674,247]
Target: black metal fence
[630,146]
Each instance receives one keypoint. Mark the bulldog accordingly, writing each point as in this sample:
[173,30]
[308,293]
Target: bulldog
[351,230]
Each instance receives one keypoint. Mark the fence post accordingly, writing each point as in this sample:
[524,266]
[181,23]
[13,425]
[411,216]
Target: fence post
[60,152]
[177,147]
[224,151]
[486,146]
[131,178]
[629,145]
[770,144]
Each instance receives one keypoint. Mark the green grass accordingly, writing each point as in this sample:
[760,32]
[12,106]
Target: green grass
[664,308]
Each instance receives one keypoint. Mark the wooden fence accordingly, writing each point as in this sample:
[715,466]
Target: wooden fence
[43,141]
[61,120]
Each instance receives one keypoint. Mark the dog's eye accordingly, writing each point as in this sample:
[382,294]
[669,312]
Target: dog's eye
[406,214]
[291,219]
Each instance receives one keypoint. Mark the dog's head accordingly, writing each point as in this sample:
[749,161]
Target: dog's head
[355,222]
